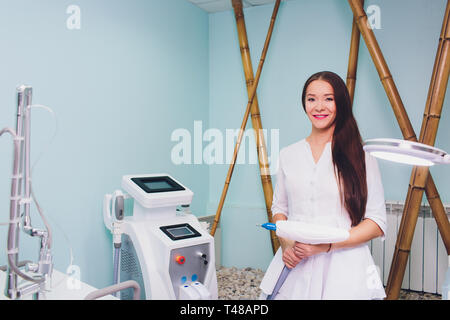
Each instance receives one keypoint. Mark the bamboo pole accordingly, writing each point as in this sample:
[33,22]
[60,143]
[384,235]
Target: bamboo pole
[255,113]
[438,209]
[353,58]
[438,85]
[252,107]
[383,70]
[433,109]
[408,133]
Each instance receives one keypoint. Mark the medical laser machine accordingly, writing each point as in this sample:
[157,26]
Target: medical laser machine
[163,248]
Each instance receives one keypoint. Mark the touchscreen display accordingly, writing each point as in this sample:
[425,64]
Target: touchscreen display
[152,185]
[157,184]
[180,232]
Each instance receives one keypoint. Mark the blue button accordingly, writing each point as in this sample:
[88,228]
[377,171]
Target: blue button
[194,277]
[183,279]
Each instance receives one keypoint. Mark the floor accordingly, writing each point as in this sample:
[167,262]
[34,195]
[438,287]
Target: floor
[243,284]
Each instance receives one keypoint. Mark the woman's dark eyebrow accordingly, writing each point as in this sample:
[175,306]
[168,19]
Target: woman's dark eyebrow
[326,94]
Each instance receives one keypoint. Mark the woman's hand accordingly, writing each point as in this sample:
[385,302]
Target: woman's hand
[304,250]
[290,259]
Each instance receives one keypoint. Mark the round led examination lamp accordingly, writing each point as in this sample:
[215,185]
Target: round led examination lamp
[407,152]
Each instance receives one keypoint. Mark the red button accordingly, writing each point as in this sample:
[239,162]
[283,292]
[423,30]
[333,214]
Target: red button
[180,259]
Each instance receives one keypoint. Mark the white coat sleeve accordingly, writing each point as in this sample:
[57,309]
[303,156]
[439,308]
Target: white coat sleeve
[280,196]
[376,205]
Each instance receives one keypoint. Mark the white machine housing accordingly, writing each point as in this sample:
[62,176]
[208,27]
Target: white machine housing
[167,252]
[161,202]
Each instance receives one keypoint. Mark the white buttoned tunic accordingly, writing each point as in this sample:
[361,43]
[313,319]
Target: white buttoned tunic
[308,191]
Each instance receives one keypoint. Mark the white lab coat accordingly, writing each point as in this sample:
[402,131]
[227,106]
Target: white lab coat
[308,191]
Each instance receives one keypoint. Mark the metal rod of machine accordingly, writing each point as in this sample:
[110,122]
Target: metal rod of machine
[26,156]
[13,229]
[23,102]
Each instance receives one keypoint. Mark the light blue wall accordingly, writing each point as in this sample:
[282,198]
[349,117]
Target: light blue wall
[133,73]
[137,70]
[311,36]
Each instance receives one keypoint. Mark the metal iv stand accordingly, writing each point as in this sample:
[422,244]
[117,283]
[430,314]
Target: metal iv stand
[38,274]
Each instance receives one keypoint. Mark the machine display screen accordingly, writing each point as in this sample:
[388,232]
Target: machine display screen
[180,231]
[157,184]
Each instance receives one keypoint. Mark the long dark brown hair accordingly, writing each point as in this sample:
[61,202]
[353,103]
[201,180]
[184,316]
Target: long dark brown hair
[347,149]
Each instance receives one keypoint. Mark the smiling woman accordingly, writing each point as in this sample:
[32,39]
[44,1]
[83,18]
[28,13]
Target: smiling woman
[328,180]
[327,103]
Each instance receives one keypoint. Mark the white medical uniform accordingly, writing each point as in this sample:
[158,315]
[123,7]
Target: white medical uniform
[308,191]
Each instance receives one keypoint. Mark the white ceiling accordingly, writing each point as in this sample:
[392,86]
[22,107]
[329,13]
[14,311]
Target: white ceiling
[225,5]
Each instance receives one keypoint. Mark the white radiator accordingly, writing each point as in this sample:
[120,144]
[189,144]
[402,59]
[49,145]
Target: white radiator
[428,260]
